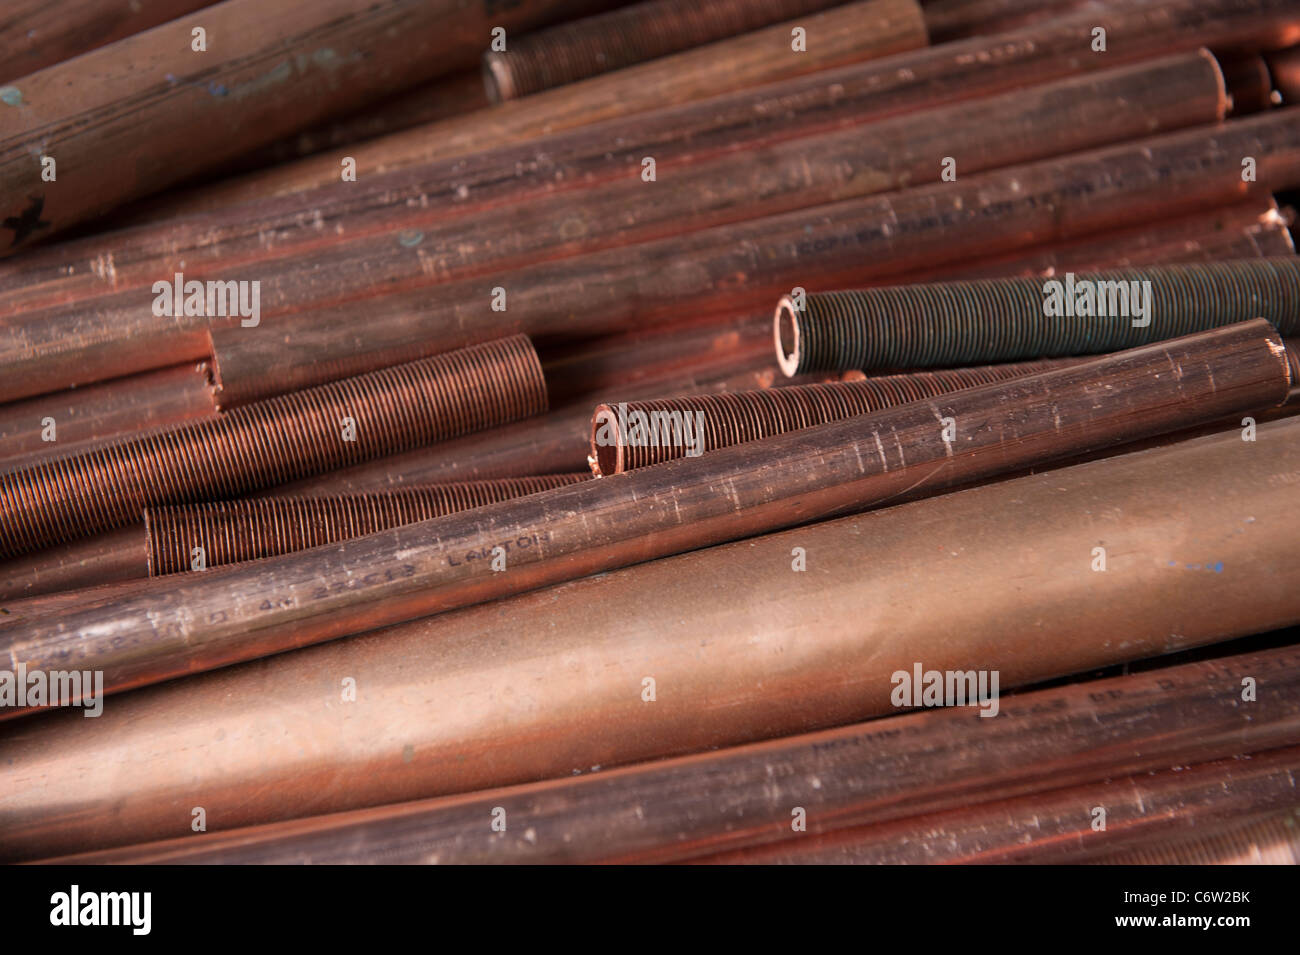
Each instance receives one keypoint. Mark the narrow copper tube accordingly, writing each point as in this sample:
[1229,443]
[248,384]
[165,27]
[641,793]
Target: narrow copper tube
[228,532]
[635,434]
[1284,67]
[1142,812]
[92,415]
[748,265]
[103,559]
[349,272]
[962,70]
[620,38]
[951,20]
[189,623]
[962,323]
[271,442]
[1273,839]
[1249,85]
[787,652]
[696,806]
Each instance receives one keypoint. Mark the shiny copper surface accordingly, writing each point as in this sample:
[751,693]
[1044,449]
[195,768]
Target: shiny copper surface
[1273,839]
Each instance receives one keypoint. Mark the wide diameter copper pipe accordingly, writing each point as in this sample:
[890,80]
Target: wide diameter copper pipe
[774,652]
[182,625]
[749,796]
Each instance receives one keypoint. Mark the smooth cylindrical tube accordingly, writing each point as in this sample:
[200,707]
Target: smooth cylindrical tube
[197,621]
[1010,563]
[271,442]
[228,532]
[964,323]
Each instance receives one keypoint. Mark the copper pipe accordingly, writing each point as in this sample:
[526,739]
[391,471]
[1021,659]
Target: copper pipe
[1246,77]
[1057,827]
[696,806]
[962,323]
[742,266]
[1055,119]
[92,415]
[625,435]
[271,442]
[951,20]
[182,625]
[40,33]
[620,38]
[782,652]
[1270,840]
[1284,66]
[234,531]
[103,559]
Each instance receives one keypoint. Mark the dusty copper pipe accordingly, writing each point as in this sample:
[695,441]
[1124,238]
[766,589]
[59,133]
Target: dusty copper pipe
[185,624]
[748,265]
[145,112]
[1058,118]
[234,531]
[271,442]
[963,323]
[620,38]
[1273,839]
[98,413]
[786,652]
[635,434]
[40,33]
[1284,67]
[696,806]
[1056,827]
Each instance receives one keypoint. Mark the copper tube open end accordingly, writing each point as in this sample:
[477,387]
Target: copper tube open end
[786,332]
[606,456]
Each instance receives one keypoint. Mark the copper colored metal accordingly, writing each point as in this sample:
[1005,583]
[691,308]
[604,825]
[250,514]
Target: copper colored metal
[234,531]
[98,413]
[185,624]
[620,38]
[876,772]
[719,421]
[1284,67]
[770,653]
[742,266]
[103,559]
[1246,77]
[951,20]
[271,442]
[962,323]
[1270,840]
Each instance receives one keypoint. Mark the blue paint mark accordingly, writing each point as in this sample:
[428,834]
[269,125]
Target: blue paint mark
[410,239]
[11,96]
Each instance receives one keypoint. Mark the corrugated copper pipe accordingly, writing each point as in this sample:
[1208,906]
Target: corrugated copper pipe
[636,434]
[610,41]
[271,442]
[232,531]
[1273,839]
[965,323]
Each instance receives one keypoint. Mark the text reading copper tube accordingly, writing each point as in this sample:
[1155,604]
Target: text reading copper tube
[271,442]
[635,434]
[183,624]
[255,740]
[966,323]
[748,265]
[874,772]
[610,41]
[234,531]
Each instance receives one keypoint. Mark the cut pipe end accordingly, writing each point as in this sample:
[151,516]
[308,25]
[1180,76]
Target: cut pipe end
[606,456]
[786,334]
[498,80]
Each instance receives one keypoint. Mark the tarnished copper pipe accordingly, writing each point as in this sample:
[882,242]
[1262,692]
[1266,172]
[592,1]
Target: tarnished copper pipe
[620,38]
[185,624]
[1284,67]
[232,531]
[271,442]
[951,20]
[1270,840]
[962,70]
[120,330]
[748,796]
[103,559]
[962,323]
[738,267]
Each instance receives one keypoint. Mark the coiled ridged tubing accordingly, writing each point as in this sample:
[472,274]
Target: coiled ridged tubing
[233,531]
[967,323]
[738,417]
[610,41]
[1272,839]
[271,442]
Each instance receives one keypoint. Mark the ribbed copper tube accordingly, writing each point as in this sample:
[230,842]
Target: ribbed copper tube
[184,624]
[1273,839]
[1054,119]
[234,531]
[920,78]
[696,806]
[787,652]
[963,323]
[748,265]
[635,434]
[271,442]
[617,39]
[1143,813]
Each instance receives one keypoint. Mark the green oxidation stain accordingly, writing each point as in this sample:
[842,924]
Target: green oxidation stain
[410,238]
[11,96]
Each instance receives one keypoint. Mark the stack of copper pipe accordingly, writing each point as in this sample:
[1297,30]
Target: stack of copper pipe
[578,431]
